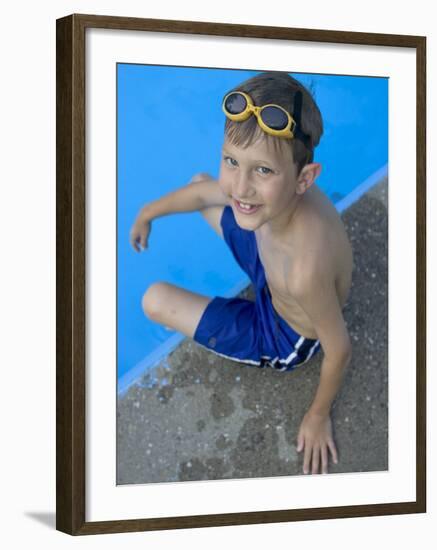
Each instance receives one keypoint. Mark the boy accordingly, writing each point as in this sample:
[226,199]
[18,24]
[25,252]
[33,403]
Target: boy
[287,236]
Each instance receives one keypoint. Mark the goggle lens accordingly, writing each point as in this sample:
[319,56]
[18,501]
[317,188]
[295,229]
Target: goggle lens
[235,104]
[274,118]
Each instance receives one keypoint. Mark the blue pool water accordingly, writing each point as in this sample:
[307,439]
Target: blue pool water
[169,127]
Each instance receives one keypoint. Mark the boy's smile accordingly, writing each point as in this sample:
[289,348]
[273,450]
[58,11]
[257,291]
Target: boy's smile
[261,183]
[245,208]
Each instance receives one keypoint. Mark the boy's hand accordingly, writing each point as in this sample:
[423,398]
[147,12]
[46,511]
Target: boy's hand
[140,232]
[315,437]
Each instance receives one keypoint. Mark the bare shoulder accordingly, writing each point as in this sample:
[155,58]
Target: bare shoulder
[209,190]
[311,266]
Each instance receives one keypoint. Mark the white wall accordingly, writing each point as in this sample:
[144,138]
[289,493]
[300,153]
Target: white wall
[27,293]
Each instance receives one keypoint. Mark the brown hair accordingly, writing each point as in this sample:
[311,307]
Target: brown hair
[284,90]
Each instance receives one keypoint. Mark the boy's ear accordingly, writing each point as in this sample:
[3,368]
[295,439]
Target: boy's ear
[308,175]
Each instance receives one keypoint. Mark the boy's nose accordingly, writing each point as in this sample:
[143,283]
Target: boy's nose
[242,188]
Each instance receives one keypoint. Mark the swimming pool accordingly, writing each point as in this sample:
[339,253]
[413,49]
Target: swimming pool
[169,127]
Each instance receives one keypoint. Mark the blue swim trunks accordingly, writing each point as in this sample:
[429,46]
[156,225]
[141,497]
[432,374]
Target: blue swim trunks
[245,331]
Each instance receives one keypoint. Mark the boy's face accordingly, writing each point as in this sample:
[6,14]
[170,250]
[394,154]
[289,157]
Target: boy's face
[260,182]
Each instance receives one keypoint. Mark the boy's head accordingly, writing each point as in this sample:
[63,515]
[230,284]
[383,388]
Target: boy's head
[281,89]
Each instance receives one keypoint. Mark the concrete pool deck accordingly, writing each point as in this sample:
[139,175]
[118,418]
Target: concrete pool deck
[199,416]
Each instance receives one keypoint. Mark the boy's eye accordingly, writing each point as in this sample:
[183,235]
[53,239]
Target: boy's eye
[264,170]
[230,161]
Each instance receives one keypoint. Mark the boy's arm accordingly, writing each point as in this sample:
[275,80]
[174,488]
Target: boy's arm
[196,195]
[315,292]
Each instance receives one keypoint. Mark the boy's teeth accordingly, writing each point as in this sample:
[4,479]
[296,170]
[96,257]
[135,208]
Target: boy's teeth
[246,206]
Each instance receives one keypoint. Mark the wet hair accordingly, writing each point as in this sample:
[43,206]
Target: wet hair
[284,90]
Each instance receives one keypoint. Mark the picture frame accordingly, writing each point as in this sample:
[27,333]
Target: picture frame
[74,366]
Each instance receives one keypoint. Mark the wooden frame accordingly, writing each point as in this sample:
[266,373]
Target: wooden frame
[71,247]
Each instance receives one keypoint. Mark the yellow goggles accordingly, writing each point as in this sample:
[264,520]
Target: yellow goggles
[273,119]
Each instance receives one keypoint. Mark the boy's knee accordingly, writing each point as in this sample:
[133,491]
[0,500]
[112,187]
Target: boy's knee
[153,300]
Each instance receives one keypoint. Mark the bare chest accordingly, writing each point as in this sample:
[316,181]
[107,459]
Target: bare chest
[278,264]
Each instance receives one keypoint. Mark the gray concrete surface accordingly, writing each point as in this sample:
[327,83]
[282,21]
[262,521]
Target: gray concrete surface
[199,416]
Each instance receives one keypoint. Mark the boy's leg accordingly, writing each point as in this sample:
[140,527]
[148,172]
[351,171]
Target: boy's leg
[174,307]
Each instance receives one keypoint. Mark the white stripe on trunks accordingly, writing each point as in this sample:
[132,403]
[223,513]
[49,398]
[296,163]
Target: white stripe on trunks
[310,354]
[293,354]
[285,362]
[250,361]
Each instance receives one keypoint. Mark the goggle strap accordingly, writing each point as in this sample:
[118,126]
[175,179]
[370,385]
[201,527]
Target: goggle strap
[297,115]
[297,108]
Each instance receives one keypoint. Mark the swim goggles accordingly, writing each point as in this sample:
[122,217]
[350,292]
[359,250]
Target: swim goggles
[273,119]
